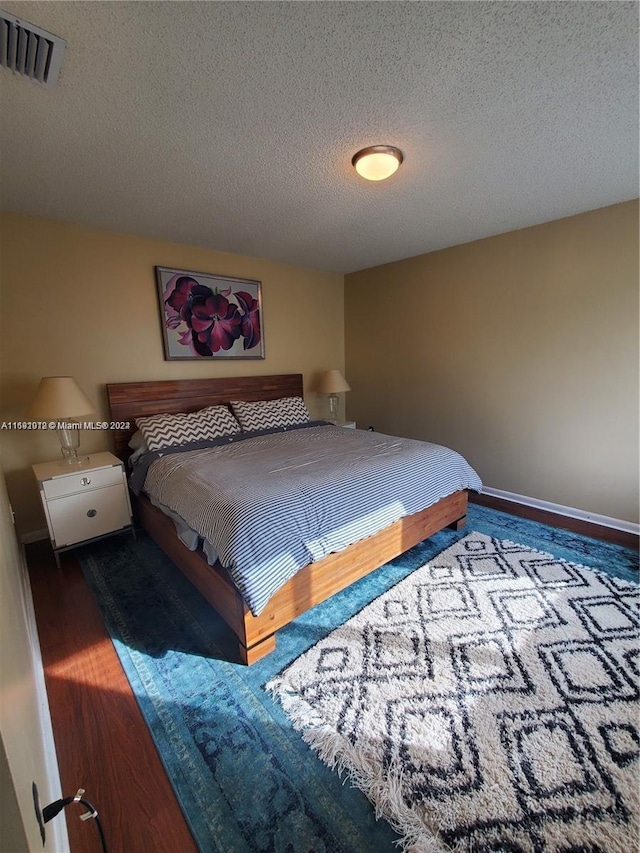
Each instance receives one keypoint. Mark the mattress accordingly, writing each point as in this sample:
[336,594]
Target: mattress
[267,505]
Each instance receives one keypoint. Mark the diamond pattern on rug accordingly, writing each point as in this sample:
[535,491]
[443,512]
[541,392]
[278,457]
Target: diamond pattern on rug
[488,702]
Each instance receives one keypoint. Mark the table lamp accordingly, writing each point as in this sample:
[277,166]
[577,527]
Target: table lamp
[60,401]
[332,382]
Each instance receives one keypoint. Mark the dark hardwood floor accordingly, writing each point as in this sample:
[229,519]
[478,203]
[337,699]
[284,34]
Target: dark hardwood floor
[102,742]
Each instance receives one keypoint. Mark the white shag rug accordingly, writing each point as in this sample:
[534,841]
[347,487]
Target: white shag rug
[488,702]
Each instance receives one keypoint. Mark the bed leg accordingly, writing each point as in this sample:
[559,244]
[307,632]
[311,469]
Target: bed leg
[459,524]
[258,650]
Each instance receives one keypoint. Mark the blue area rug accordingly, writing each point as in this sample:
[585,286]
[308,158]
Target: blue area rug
[245,779]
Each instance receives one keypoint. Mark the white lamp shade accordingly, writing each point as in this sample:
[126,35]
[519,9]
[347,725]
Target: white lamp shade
[59,397]
[333,382]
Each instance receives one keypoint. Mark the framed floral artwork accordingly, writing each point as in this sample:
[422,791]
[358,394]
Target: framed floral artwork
[209,316]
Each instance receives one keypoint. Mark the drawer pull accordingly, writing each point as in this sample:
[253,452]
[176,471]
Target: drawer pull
[85,481]
[92,513]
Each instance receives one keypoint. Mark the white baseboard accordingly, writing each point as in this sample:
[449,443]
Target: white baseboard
[34,536]
[569,511]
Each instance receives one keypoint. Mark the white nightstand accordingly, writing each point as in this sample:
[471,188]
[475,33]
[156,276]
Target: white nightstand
[346,424]
[84,502]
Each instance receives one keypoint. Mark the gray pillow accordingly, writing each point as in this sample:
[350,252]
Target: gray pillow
[269,414]
[170,430]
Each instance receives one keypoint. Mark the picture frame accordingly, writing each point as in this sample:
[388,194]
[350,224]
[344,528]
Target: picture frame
[207,316]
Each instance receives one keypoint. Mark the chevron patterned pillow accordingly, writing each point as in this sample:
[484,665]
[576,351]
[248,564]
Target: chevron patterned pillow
[269,414]
[167,430]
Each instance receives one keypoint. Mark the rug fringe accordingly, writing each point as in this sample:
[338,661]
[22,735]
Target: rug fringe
[384,791]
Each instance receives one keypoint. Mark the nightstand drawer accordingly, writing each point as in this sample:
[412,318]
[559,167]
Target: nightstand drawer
[75,518]
[82,481]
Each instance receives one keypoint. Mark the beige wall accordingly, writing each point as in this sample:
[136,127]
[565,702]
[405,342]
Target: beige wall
[83,302]
[520,351]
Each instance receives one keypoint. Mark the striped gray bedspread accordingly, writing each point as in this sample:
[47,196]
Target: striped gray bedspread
[269,505]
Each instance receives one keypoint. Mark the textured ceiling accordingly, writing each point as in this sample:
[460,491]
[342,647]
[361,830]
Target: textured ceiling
[232,125]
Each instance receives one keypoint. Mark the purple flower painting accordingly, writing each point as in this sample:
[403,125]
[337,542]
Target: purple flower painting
[209,316]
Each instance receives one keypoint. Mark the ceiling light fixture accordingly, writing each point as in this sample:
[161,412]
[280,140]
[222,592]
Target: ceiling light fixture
[377,162]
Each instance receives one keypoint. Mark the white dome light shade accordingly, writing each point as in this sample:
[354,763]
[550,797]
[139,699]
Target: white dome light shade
[377,162]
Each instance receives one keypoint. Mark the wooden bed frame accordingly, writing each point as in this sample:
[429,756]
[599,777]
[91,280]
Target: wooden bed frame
[312,584]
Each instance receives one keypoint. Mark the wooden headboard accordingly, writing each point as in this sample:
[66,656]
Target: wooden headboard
[130,400]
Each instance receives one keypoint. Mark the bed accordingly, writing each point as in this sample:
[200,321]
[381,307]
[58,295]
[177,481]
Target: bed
[311,584]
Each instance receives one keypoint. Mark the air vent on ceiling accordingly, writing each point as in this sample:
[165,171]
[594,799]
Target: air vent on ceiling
[30,51]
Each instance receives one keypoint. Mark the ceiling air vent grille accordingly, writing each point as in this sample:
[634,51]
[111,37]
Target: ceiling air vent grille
[30,51]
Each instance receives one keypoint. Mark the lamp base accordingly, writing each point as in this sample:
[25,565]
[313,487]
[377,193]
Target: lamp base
[69,443]
[73,461]
[333,408]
